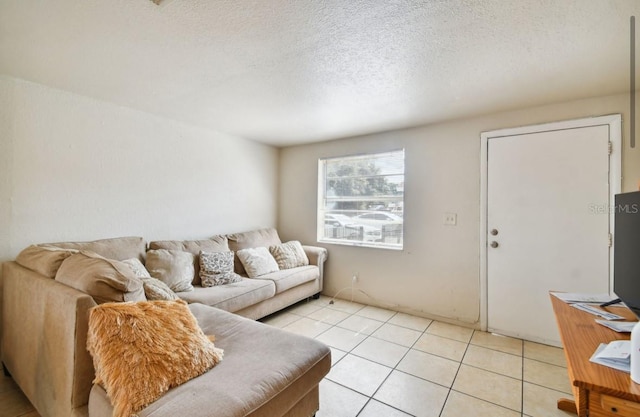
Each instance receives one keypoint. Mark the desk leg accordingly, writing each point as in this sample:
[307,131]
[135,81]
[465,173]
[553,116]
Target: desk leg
[568,405]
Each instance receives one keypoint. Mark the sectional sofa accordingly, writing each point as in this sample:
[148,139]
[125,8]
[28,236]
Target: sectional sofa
[265,371]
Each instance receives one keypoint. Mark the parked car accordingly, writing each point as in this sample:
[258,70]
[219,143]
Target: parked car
[350,229]
[377,219]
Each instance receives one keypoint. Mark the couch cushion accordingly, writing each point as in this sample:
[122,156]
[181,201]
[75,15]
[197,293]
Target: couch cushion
[173,267]
[119,248]
[289,278]
[103,279]
[253,239]
[215,244]
[43,259]
[265,372]
[141,350]
[232,297]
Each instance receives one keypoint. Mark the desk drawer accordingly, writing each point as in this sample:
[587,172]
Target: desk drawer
[619,407]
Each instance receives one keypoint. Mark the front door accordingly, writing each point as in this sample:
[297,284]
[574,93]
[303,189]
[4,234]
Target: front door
[547,224]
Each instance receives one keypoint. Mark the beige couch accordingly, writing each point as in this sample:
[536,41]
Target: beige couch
[265,372]
[258,297]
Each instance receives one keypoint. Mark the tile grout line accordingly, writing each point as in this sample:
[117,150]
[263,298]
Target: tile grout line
[522,384]
[395,369]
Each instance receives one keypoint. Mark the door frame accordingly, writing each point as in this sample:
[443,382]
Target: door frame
[614,122]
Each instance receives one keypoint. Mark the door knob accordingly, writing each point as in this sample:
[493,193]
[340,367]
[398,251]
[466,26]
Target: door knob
[494,232]
[494,244]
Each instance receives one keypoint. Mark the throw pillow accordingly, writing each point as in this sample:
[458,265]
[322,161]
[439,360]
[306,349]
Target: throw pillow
[216,268]
[289,255]
[214,244]
[137,267]
[141,350]
[104,279]
[257,261]
[173,267]
[45,260]
[154,289]
[252,239]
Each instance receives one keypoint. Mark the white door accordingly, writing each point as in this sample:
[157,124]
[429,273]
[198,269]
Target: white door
[547,216]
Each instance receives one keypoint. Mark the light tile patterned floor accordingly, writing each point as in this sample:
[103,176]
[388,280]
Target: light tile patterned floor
[388,364]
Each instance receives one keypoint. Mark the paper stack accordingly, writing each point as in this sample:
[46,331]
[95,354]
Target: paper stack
[615,355]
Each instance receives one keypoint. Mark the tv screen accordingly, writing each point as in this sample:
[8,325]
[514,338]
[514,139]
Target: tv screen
[626,250]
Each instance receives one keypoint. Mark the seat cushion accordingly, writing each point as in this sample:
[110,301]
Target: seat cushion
[289,278]
[265,372]
[231,297]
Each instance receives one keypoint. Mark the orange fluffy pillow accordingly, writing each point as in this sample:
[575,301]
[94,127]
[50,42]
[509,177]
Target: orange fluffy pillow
[142,349]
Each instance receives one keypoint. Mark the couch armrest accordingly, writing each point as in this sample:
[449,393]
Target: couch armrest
[317,256]
[44,340]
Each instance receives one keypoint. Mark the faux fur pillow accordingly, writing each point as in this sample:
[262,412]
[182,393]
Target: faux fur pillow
[141,350]
[154,289]
[216,268]
[289,255]
[257,261]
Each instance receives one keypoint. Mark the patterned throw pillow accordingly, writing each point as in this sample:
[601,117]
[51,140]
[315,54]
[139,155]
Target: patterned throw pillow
[154,289]
[216,268]
[257,261]
[289,255]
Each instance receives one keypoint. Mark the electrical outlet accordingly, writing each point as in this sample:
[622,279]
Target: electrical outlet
[450,219]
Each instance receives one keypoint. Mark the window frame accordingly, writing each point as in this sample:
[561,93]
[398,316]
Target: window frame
[392,241]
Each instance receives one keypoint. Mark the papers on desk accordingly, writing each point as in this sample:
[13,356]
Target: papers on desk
[618,326]
[574,297]
[616,355]
[596,311]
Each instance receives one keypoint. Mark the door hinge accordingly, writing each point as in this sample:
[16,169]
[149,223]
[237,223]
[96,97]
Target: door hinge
[610,240]
[610,148]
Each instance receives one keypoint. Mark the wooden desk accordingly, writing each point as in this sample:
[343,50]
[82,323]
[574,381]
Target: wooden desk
[599,391]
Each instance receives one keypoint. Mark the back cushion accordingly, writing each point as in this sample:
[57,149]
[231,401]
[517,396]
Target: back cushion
[215,244]
[45,260]
[119,248]
[103,279]
[253,239]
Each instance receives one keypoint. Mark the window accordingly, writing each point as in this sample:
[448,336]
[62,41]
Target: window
[361,200]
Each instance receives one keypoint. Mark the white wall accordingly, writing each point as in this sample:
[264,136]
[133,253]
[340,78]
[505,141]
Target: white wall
[73,168]
[437,274]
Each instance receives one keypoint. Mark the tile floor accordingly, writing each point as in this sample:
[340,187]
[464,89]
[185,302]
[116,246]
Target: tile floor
[388,364]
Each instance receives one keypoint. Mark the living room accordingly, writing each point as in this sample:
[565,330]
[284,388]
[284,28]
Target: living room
[92,147]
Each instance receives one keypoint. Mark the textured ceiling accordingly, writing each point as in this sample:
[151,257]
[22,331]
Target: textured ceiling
[295,71]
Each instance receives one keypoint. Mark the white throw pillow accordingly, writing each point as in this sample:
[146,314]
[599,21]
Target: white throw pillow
[257,261]
[154,289]
[175,268]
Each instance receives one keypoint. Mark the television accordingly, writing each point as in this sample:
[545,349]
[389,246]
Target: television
[626,250]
